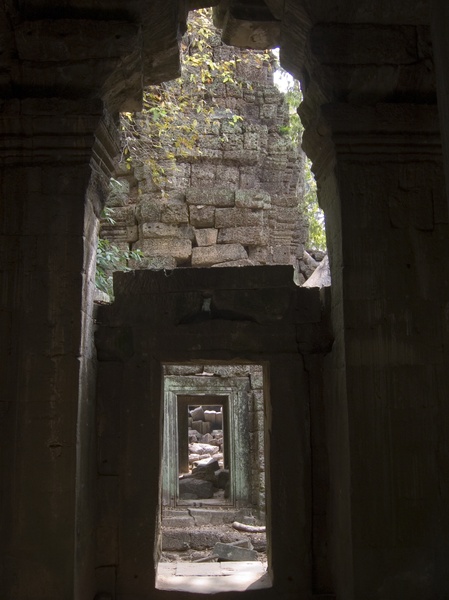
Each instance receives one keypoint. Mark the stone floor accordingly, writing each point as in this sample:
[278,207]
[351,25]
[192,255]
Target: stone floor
[209,578]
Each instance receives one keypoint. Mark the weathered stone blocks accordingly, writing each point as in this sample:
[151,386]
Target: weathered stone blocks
[148,210]
[235,217]
[260,254]
[179,249]
[206,237]
[247,236]
[244,262]
[175,214]
[211,255]
[220,197]
[252,198]
[282,255]
[190,488]
[223,188]
[202,216]
[119,193]
[159,230]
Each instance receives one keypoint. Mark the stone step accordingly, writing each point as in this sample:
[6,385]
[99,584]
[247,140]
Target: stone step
[183,522]
[204,516]
[175,512]
[181,539]
[191,517]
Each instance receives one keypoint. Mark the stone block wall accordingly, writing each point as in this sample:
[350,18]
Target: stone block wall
[230,200]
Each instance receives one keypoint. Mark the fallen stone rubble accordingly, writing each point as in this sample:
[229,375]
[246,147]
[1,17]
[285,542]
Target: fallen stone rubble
[205,535]
[207,477]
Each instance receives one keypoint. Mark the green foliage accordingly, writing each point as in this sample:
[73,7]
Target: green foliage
[111,258]
[164,130]
[294,130]
[314,214]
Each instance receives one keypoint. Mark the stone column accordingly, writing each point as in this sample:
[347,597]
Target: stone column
[440,41]
[48,241]
[381,183]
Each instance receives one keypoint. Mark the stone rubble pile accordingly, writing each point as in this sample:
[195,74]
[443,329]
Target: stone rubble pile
[204,420]
[207,478]
[207,534]
[205,481]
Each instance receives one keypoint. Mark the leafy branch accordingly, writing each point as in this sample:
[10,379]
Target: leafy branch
[164,129]
[111,258]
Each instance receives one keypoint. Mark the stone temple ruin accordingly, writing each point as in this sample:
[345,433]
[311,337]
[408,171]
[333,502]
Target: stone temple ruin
[213,463]
[231,199]
[356,376]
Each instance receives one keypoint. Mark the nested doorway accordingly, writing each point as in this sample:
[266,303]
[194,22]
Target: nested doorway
[213,479]
[204,450]
[183,395]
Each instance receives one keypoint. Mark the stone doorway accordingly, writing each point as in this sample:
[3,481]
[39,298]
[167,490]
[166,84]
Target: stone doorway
[203,450]
[213,479]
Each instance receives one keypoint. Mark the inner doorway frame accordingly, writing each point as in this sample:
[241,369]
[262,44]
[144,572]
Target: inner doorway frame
[234,388]
[183,427]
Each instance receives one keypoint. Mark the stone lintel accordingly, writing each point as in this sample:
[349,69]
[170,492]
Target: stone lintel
[155,282]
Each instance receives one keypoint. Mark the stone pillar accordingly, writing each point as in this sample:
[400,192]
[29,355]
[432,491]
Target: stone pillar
[183,437]
[61,71]
[440,41]
[48,241]
[380,176]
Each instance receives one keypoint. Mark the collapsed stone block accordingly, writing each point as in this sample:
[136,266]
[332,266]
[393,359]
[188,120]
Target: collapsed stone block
[203,448]
[197,413]
[196,425]
[206,427]
[231,552]
[191,488]
[222,478]
[206,471]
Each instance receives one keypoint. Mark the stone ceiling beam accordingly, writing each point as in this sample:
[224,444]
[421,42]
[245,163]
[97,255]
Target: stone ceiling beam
[106,50]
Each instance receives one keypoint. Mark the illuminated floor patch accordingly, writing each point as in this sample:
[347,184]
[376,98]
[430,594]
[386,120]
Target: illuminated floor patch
[210,578]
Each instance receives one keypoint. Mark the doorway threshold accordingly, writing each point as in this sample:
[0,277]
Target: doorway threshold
[212,578]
